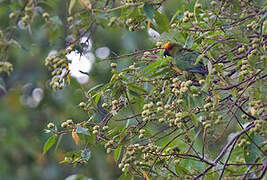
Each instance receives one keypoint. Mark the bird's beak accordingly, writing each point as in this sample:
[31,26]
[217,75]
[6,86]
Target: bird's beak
[166,53]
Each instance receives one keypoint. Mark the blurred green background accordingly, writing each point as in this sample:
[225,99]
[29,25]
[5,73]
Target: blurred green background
[30,104]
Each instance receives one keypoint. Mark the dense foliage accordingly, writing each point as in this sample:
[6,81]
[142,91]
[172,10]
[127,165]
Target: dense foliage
[155,122]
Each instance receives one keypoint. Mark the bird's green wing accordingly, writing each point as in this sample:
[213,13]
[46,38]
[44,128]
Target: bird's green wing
[186,59]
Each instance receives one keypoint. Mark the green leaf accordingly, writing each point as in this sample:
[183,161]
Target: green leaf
[76,177]
[56,20]
[149,10]
[251,152]
[45,6]
[72,3]
[126,176]
[49,143]
[181,170]
[86,154]
[97,98]
[199,58]
[95,88]
[136,88]
[58,141]
[117,153]
[177,15]
[194,119]
[162,22]
[150,66]
[2,86]
[189,42]
[82,130]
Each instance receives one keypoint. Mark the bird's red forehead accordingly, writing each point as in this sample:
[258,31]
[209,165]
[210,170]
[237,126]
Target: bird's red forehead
[167,46]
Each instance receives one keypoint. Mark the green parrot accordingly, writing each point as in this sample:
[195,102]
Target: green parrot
[184,59]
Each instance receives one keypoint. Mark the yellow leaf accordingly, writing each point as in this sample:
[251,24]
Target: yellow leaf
[86,3]
[69,78]
[253,111]
[75,137]
[145,175]
[218,97]
[72,3]
[148,24]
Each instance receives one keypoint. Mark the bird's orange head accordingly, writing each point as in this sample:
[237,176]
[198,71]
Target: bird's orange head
[168,46]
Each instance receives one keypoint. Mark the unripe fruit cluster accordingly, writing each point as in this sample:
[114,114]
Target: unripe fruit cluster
[184,87]
[112,21]
[245,68]
[27,18]
[134,24]
[109,144]
[6,67]
[259,127]
[258,107]
[83,105]
[95,129]
[67,123]
[141,133]
[243,142]
[147,111]
[187,16]
[57,64]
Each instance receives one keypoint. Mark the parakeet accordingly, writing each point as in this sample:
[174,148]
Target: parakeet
[184,59]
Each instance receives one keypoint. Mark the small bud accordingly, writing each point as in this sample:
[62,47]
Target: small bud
[188,83]
[96,127]
[161,120]
[95,131]
[191,15]
[159,103]
[159,109]
[114,102]
[141,136]
[159,44]
[64,124]
[180,101]
[202,82]
[82,104]
[12,15]
[185,19]
[45,15]
[108,150]
[70,19]
[104,105]
[173,25]
[213,3]
[131,28]
[69,121]
[50,125]
[150,105]
[255,45]
[197,5]
[129,21]
[142,131]
[241,49]
[121,165]
[113,65]
[105,128]
[147,53]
